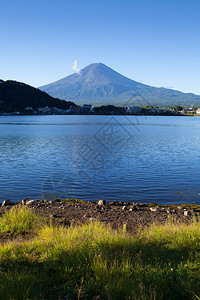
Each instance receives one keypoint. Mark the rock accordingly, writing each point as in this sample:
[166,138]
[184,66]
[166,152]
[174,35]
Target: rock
[24,201]
[153,208]
[186,212]
[30,202]
[134,207]
[86,216]
[124,207]
[179,207]
[171,210]
[101,202]
[6,202]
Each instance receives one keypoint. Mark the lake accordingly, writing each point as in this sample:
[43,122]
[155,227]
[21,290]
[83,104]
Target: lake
[125,158]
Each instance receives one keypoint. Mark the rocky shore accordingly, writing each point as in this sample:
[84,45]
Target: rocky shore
[133,215]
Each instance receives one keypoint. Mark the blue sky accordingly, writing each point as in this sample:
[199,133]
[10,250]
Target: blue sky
[155,42]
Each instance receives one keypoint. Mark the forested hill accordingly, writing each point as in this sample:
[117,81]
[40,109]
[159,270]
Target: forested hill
[15,96]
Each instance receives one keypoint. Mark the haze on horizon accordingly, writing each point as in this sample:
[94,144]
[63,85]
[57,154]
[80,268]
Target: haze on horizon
[154,42]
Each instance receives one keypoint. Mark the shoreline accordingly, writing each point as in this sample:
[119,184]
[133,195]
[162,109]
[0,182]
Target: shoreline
[126,115]
[117,214]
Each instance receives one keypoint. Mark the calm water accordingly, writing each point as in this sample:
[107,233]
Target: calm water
[140,159]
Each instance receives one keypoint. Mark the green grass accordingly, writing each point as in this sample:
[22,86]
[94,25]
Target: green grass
[73,200]
[18,220]
[93,261]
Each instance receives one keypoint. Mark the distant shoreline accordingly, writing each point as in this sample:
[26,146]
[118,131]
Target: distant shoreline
[143,115]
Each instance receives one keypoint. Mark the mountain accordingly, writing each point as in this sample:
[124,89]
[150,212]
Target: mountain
[15,96]
[100,85]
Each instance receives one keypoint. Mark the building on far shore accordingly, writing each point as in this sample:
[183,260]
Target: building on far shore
[44,110]
[133,110]
[87,108]
[188,111]
[198,111]
[74,109]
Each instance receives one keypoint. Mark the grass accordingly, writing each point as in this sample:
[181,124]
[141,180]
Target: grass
[93,261]
[73,200]
[18,220]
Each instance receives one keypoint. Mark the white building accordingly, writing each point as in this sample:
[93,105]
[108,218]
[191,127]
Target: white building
[198,111]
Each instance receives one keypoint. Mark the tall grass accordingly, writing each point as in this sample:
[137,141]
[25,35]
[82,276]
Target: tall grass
[17,220]
[93,261]
[16,285]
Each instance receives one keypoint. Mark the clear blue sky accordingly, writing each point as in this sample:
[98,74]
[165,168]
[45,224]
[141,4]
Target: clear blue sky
[156,42]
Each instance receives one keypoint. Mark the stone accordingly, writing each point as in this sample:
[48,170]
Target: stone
[171,211]
[153,208]
[24,201]
[30,202]
[179,207]
[134,207]
[101,202]
[124,207]
[86,216]
[6,202]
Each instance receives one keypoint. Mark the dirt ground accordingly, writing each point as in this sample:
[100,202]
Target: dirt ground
[118,214]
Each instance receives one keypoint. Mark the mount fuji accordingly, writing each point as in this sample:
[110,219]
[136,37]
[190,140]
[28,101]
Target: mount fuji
[98,84]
